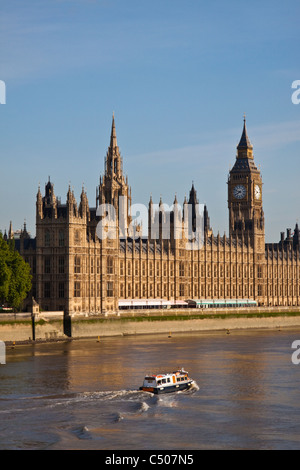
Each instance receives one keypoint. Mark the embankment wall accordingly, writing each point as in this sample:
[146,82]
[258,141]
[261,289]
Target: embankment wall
[20,330]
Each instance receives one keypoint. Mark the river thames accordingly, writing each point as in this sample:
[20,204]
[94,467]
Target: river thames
[83,394]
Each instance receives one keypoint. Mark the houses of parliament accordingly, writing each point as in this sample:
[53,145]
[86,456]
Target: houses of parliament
[76,271]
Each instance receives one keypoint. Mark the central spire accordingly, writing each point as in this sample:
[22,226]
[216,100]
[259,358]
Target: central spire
[245,148]
[113,135]
[245,141]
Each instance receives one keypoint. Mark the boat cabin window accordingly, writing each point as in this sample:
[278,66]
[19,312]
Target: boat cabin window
[164,381]
[159,382]
[180,379]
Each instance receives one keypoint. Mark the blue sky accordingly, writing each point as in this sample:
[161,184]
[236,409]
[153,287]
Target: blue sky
[178,75]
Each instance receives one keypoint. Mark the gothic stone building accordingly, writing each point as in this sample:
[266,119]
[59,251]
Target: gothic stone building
[76,271]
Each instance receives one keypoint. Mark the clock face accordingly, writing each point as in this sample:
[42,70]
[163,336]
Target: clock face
[239,191]
[257,192]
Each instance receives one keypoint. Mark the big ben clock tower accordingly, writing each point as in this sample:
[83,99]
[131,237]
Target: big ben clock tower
[246,216]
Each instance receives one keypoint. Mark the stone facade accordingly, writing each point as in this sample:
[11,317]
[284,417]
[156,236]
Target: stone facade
[76,271]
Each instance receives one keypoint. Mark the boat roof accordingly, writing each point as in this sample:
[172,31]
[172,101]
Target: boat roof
[163,374]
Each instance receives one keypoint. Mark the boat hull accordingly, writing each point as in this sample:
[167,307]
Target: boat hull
[168,389]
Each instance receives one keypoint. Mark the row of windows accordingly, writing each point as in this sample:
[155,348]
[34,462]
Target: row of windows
[109,289]
[94,267]
[277,273]
[184,290]
[61,238]
[77,289]
[61,290]
[184,269]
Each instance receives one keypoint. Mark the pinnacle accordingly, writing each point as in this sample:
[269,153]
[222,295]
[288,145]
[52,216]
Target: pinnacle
[245,141]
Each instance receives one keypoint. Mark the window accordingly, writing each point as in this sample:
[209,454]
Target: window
[165,290]
[47,288]
[110,265]
[215,270]
[165,269]
[136,268]
[181,269]
[77,266]
[157,269]
[77,237]
[76,289]
[98,265]
[61,238]
[122,290]
[110,289]
[172,268]
[61,265]
[47,238]
[47,266]
[121,268]
[92,265]
[195,270]
[181,290]
[151,268]
[61,290]
[129,268]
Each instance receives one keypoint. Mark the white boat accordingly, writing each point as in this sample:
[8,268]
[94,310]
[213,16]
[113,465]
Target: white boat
[167,383]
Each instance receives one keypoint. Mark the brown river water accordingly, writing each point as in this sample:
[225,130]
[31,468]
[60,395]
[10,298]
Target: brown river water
[83,394]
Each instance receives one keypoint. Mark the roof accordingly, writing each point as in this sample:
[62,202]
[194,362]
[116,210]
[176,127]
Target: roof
[245,141]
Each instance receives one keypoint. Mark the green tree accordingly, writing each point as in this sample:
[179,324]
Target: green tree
[15,277]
